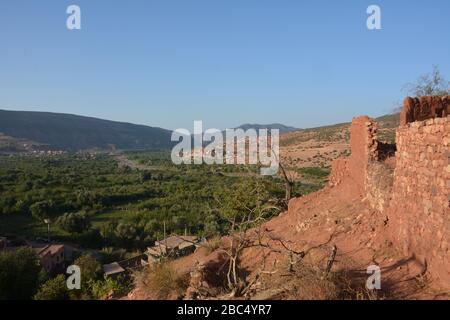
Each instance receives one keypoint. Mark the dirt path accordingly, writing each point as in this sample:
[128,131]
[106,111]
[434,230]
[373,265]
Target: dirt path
[126,162]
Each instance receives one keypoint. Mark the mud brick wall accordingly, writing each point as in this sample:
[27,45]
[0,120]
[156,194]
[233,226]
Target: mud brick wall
[364,167]
[412,189]
[421,192]
[379,181]
[423,108]
[364,148]
[339,171]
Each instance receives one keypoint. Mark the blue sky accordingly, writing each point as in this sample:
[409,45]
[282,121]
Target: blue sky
[167,63]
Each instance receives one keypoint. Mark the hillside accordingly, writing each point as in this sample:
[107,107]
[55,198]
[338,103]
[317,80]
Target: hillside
[299,147]
[72,132]
[373,217]
[318,147]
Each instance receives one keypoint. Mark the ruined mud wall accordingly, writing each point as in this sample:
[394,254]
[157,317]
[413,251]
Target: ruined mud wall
[379,181]
[365,166]
[423,108]
[421,192]
[363,145]
[412,189]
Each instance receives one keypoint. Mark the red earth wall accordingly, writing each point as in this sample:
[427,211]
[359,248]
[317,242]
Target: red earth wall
[416,194]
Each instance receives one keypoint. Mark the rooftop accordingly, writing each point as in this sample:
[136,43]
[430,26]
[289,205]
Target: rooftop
[112,268]
[44,249]
[177,241]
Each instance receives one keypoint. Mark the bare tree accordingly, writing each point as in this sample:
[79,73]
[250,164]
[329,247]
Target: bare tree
[288,181]
[241,222]
[430,84]
[288,184]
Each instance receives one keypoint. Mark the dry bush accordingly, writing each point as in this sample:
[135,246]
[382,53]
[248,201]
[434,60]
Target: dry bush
[212,245]
[298,282]
[305,281]
[353,288]
[160,281]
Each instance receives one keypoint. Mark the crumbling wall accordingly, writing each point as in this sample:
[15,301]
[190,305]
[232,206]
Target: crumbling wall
[364,148]
[412,189]
[420,205]
[423,108]
[379,181]
[366,167]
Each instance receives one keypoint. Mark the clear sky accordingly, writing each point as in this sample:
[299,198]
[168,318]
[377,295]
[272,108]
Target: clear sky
[167,63]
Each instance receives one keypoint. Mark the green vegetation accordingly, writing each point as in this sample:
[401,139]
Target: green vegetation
[315,175]
[97,201]
[74,222]
[20,274]
[93,285]
[53,289]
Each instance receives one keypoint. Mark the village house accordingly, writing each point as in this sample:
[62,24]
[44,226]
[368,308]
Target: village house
[51,256]
[172,246]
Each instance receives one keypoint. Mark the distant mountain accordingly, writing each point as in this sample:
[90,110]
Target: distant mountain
[72,132]
[281,127]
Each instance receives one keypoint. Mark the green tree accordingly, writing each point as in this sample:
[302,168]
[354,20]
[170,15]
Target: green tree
[90,268]
[19,274]
[145,176]
[126,233]
[53,289]
[75,222]
[41,210]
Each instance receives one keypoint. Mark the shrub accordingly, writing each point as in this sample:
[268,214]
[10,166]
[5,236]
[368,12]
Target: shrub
[73,222]
[53,289]
[109,287]
[90,269]
[19,274]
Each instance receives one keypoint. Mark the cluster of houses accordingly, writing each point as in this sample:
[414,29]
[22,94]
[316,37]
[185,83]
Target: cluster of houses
[173,246]
[54,258]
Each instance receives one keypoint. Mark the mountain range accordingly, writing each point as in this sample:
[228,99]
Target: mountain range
[73,132]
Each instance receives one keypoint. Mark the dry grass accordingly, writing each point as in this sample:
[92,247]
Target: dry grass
[160,281]
[308,282]
[212,245]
